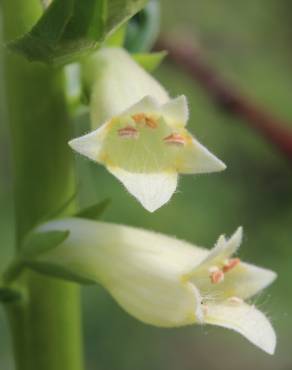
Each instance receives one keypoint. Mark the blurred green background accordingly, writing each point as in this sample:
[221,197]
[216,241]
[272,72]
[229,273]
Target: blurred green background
[249,42]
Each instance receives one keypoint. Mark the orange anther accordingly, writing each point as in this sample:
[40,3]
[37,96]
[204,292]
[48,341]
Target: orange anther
[143,118]
[151,122]
[128,132]
[217,276]
[175,139]
[230,264]
[139,117]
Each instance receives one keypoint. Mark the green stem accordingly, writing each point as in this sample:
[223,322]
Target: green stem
[45,325]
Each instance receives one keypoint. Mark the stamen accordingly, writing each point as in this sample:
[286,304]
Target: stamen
[175,139]
[143,118]
[216,275]
[235,300]
[151,122]
[139,117]
[128,132]
[230,264]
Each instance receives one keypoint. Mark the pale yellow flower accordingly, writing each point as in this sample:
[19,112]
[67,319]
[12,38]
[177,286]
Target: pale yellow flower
[141,136]
[164,281]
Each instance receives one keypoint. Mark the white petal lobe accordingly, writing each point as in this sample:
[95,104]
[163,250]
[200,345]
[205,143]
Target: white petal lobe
[90,144]
[176,111]
[147,104]
[199,159]
[225,248]
[152,190]
[246,320]
[249,280]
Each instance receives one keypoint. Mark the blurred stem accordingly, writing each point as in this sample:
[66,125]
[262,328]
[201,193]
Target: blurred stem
[45,325]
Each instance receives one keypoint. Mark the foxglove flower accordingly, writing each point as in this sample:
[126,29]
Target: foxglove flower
[164,281]
[140,133]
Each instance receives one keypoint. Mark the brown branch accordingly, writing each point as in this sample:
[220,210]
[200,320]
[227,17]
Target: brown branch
[227,97]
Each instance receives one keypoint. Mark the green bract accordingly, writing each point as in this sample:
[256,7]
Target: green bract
[149,61]
[141,136]
[164,281]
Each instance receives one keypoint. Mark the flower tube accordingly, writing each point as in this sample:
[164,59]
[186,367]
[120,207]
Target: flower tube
[164,281]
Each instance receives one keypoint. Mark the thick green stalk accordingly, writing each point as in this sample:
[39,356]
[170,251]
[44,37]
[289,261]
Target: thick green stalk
[45,325]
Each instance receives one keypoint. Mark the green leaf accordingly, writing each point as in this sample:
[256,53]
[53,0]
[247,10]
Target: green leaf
[69,29]
[94,212]
[39,242]
[57,272]
[150,61]
[8,295]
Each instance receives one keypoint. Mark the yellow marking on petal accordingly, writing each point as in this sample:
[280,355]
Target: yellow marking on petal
[185,278]
[191,317]
[105,158]
[178,164]
[188,140]
[112,123]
